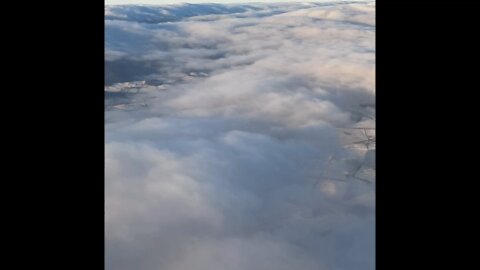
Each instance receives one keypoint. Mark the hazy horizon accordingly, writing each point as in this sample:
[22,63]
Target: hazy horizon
[165,2]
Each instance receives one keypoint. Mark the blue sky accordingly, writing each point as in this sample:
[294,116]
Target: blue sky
[115,2]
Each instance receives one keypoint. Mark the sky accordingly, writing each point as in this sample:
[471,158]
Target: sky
[230,149]
[159,2]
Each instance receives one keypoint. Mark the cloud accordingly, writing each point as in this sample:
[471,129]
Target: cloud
[217,158]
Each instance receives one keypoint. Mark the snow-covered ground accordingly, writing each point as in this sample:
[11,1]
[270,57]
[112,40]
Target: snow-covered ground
[240,136]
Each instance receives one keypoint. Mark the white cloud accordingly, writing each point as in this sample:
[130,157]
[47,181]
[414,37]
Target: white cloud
[221,163]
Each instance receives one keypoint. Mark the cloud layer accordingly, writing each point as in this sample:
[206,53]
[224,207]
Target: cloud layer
[217,159]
